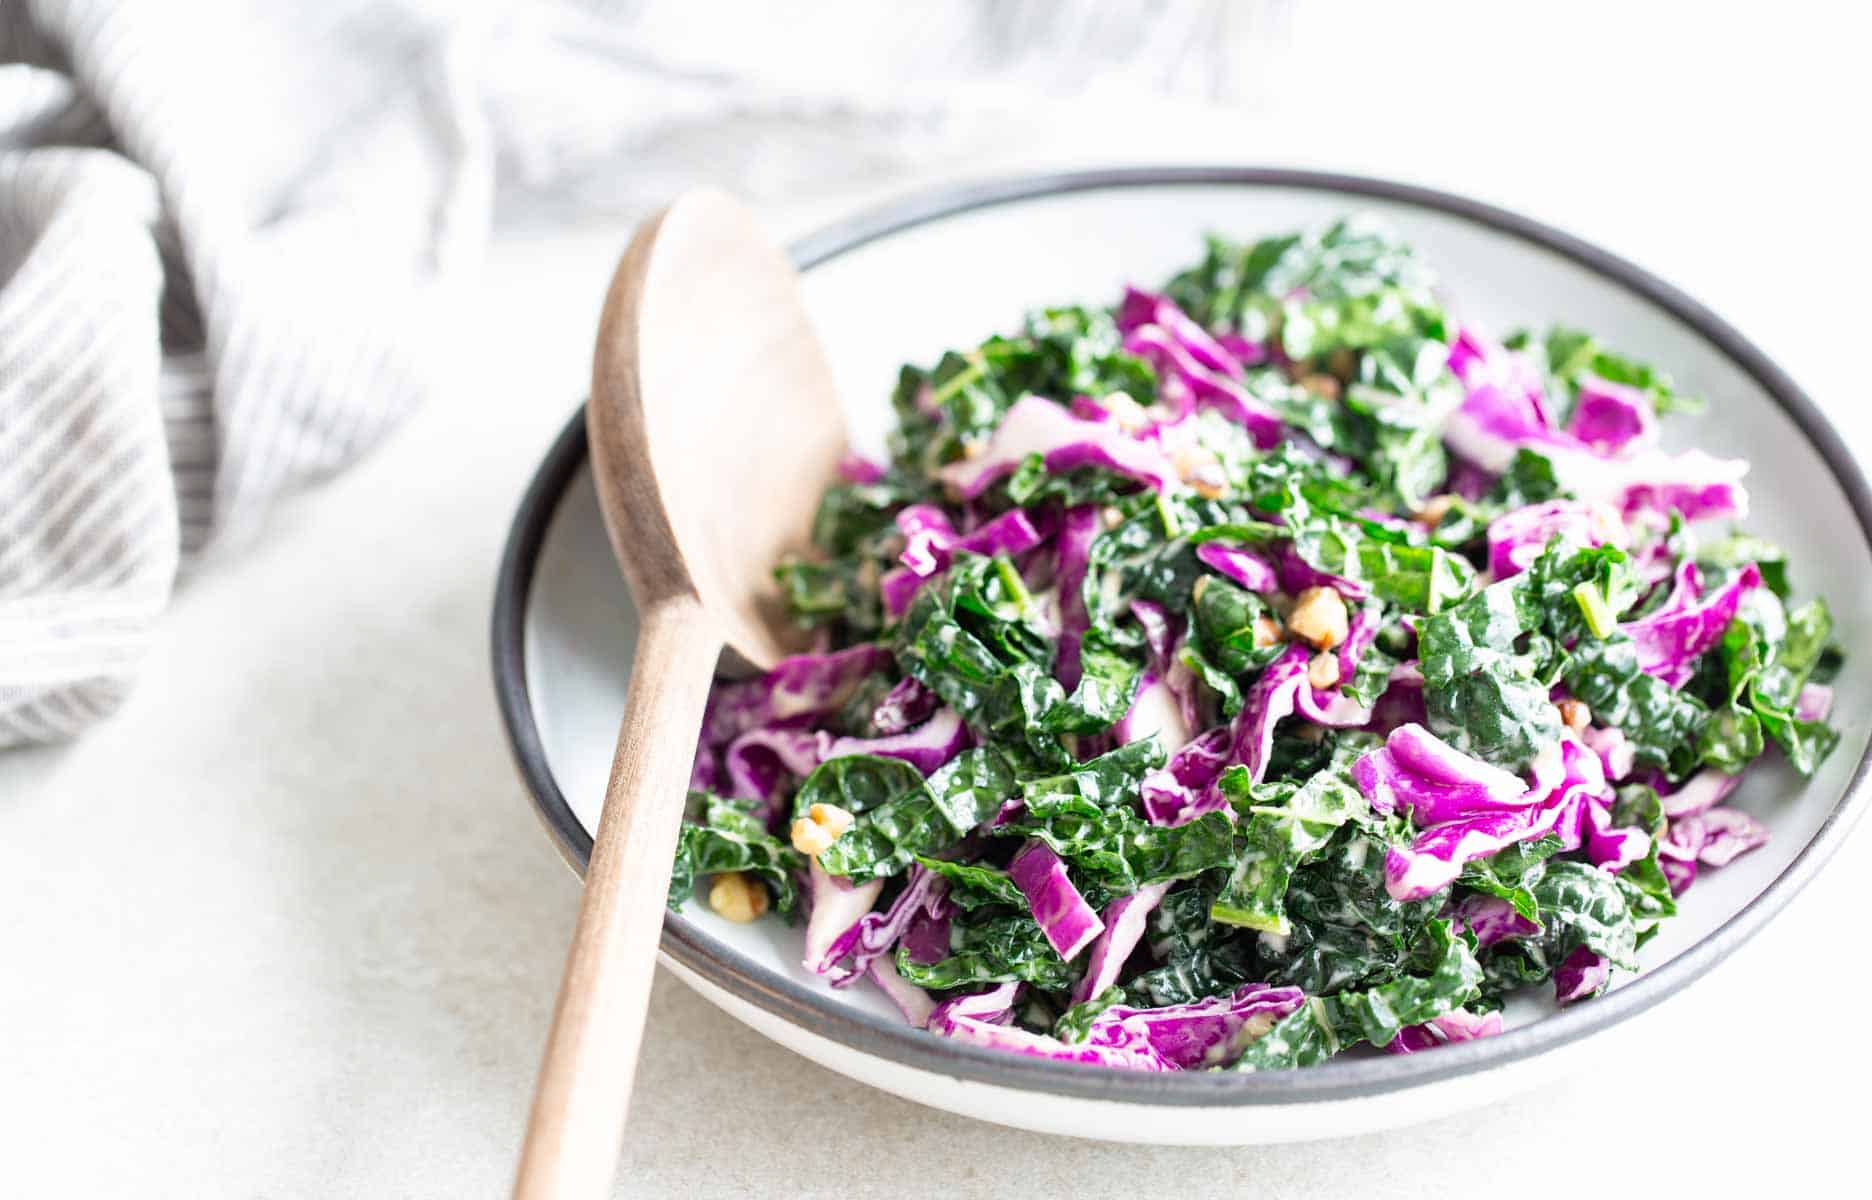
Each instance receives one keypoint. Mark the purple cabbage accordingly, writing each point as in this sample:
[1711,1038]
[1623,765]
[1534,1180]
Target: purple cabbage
[855,468]
[1154,710]
[1503,411]
[1070,924]
[1251,739]
[1677,854]
[1616,753]
[806,685]
[1247,351]
[874,934]
[1297,575]
[926,747]
[818,684]
[1670,640]
[1727,834]
[1584,973]
[1612,847]
[1160,632]
[927,537]
[926,940]
[1190,1037]
[1141,308]
[898,588]
[1699,793]
[761,760]
[1402,702]
[1010,533]
[1433,781]
[1193,368]
[907,704]
[1243,566]
[931,544]
[1468,480]
[1332,707]
[912,1001]
[1038,426]
[1466,809]
[982,1020]
[1713,837]
[1073,556]
[1124,919]
[1696,484]
[1163,634]
[1517,538]
[1815,702]
[1611,417]
[1458,1025]
[837,906]
[1492,919]
[1088,409]
[1172,793]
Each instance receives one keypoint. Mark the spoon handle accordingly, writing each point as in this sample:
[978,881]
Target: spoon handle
[579,1103]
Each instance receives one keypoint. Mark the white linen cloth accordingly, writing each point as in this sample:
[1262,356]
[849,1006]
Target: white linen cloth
[229,229]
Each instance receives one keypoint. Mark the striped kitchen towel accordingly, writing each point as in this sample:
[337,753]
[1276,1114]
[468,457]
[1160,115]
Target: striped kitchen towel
[229,228]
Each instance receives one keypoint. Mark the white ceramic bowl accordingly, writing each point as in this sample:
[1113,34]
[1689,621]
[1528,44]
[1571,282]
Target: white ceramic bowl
[945,269]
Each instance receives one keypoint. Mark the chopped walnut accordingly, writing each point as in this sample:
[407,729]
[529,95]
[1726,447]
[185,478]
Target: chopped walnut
[1199,467]
[1434,510]
[1129,414]
[1323,386]
[737,897]
[819,828]
[1319,616]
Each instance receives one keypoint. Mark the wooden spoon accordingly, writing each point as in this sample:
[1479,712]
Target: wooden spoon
[714,426]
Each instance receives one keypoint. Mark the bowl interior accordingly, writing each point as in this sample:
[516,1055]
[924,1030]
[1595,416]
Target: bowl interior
[909,294]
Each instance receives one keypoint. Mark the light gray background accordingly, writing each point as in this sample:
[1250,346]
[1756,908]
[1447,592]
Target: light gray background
[286,926]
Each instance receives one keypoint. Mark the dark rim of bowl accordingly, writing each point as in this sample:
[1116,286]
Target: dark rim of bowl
[820,1014]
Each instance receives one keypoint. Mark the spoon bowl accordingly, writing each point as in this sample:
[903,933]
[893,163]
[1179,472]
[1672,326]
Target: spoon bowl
[714,420]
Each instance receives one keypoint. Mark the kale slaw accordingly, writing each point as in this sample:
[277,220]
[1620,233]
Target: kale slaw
[1264,666]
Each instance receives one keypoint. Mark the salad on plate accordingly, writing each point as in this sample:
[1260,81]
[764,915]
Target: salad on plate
[1266,666]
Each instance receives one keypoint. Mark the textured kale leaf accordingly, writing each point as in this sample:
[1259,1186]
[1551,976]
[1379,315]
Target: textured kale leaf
[992,947]
[1511,874]
[1088,817]
[1482,694]
[1063,352]
[1568,355]
[1325,1025]
[1280,827]
[1195,957]
[1662,723]
[920,817]
[976,885]
[1117,849]
[974,637]
[730,837]
[1224,619]
[1580,905]
[1766,676]
[1347,930]
[1419,579]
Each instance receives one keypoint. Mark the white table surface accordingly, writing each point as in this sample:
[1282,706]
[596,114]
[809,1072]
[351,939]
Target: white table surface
[286,925]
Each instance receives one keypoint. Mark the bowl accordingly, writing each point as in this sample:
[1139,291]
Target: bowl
[905,282]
